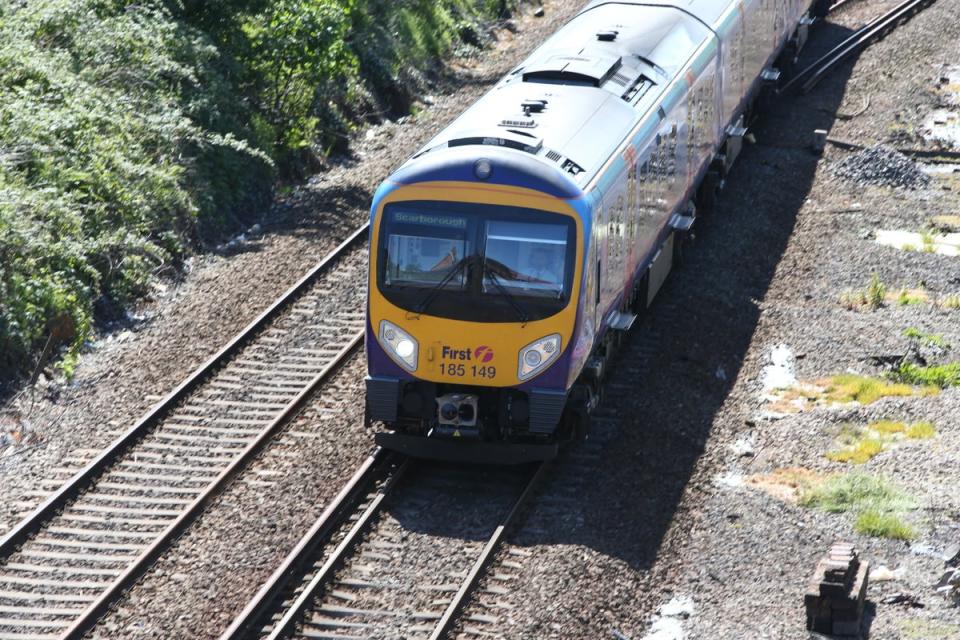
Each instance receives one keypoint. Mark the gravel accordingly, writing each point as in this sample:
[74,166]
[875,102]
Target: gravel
[880,165]
[206,578]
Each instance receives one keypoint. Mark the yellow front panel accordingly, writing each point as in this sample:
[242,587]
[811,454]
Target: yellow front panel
[474,353]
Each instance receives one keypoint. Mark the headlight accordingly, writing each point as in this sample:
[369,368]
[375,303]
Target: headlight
[399,344]
[536,356]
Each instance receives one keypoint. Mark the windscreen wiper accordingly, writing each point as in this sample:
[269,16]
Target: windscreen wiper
[435,289]
[495,279]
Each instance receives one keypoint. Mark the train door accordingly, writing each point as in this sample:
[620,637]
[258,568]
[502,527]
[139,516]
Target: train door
[617,242]
[599,242]
[632,212]
[733,49]
[702,120]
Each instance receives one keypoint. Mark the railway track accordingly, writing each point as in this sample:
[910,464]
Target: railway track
[809,77]
[64,565]
[386,558]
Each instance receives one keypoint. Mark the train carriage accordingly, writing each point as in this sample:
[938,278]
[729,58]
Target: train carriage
[508,254]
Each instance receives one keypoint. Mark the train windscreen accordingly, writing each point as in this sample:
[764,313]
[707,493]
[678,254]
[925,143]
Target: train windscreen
[476,261]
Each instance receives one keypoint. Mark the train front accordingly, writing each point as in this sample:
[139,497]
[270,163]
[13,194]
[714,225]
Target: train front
[476,265]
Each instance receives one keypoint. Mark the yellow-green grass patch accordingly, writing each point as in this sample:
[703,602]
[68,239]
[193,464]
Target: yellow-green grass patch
[878,524]
[858,445]
[878,505]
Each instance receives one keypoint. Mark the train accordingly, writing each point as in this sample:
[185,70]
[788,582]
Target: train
[509,255]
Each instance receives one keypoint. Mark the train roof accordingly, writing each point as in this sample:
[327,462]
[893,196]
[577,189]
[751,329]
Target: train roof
[573,101]
[709,12]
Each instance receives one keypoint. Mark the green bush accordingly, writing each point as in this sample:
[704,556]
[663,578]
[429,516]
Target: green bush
[133,133]
[939,375]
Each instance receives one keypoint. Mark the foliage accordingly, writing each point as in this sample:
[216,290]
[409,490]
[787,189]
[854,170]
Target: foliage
[906,297]
[132,133]
[940,375]
[927,339]
[855,492]
[103,172]
[876,292]
[879,524]
[877,504]
[859,445]
[872,297]
[858,452]
[921,430]
[853,388]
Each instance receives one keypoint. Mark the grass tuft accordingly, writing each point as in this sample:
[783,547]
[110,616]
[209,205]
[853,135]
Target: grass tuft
[872,297]
[855,492]
[907,297]
[876,292]
[879,524]
[921,430]
[951,301]
[888,427]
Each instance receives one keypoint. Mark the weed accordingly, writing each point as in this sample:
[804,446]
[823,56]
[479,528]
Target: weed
[872,297]
[879,524]
[855,492]
[926,238]
[909,247]
[951,301]
[853,299]
[860,445]
[928,339]
[915,431]
[906,297]
[940,375]
[888,427]
[876,292]
[921,430]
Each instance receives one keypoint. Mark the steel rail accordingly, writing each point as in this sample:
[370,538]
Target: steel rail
[83,478]
[331,518]
[836,6]
[90,616]
[812,74]
[486,556]
[254,612]
[868,34]
[326,572]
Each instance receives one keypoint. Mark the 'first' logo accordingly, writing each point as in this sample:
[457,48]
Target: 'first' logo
[483,353]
